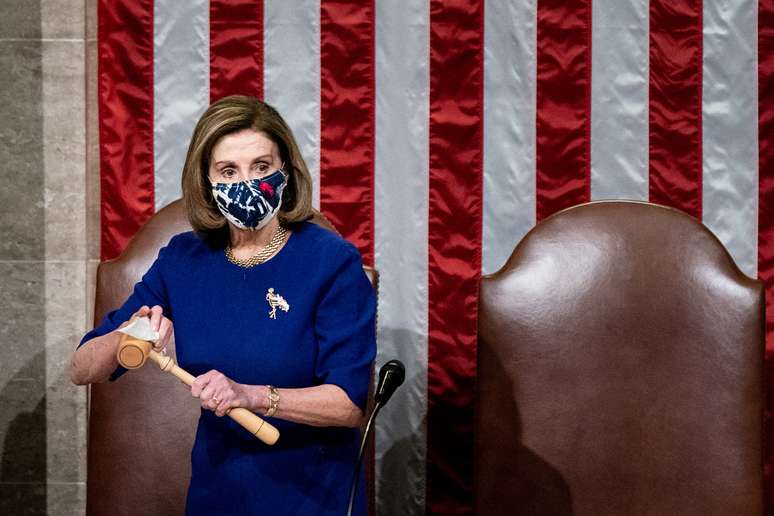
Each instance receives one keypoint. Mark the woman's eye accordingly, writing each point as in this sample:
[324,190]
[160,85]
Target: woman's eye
[227,172]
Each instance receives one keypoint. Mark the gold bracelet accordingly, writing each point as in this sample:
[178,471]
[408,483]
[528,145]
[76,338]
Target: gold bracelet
[274,399]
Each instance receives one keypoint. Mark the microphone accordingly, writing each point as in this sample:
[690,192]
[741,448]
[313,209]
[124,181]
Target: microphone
[391,376]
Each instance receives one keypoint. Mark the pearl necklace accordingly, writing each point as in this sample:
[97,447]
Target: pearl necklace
[264,254]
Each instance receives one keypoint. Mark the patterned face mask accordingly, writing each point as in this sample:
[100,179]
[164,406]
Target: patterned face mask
[250,204]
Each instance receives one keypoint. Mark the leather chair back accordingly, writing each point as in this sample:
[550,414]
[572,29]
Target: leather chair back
[142,427]
[620,370]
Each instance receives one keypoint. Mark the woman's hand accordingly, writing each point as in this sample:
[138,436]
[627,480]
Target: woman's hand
[96,360]
[219,393]
[322,405]
[158,323]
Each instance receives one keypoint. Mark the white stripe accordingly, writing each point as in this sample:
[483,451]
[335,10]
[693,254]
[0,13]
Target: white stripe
[729,128]
[401,226]
[181,87]
[292,74]
[619,99]
[509,128]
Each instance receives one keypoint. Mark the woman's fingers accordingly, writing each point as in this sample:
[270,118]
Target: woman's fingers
[165,331]
[158,323]
[203,381]
[164,328]
[209,398]
[142,311]
[199,383]
[215,391]
[223,407]
[156,314]
[207,393]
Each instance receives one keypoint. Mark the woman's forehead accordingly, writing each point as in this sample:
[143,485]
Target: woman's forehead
[242,144]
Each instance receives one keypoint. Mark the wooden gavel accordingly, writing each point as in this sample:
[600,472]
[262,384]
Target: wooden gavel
[133,353]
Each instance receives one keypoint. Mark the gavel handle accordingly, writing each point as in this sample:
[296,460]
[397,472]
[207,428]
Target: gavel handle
[264,431]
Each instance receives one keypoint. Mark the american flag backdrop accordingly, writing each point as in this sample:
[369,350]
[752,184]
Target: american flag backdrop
[438,132]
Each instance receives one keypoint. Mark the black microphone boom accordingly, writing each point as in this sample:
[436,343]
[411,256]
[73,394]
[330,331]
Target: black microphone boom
[391,376]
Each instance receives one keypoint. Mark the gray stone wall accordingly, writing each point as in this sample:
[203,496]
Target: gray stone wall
[49,248]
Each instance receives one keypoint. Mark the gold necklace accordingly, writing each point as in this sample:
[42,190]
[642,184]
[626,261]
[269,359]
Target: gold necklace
[264,254]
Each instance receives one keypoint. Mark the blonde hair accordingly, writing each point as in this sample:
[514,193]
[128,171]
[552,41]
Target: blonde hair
[226,116]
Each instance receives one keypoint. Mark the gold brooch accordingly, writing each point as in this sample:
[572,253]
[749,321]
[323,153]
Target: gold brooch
[276,301]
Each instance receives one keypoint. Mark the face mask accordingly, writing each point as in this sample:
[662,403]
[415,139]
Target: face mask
[250,204]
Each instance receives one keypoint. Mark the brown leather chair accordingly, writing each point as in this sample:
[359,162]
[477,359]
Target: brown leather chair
[620,370]
[142,427]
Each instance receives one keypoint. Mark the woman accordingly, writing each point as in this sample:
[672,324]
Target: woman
[271,313]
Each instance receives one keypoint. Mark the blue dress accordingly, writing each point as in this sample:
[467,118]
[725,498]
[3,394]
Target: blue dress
[222,321]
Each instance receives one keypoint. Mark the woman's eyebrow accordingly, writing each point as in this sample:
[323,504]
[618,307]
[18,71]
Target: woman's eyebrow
[265,157]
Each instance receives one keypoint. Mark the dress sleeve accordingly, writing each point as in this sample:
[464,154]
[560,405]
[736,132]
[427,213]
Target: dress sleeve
[150,291]
[345,329]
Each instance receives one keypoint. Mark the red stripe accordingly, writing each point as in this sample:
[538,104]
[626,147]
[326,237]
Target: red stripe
[125,91]
[766,215]
[347,92]
[563,122]
[236,48]
[675,104]
[454,245]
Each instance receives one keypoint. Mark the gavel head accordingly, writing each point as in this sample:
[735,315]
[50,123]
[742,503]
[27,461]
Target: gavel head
[132,353]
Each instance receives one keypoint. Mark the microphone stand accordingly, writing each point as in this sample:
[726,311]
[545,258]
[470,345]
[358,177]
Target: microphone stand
[363,443]
[391,376]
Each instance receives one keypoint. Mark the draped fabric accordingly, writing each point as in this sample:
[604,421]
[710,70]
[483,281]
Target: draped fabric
[438,132]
